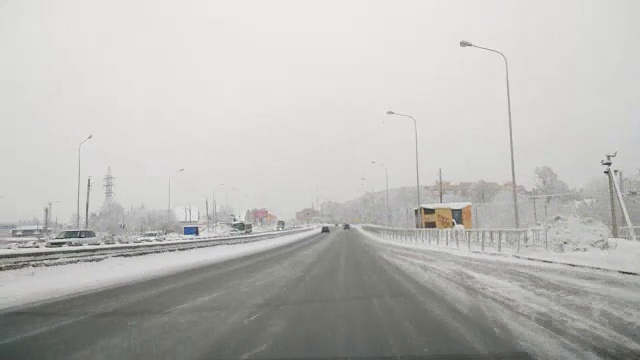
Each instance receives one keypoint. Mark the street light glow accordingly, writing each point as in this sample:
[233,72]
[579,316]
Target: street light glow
[465,43]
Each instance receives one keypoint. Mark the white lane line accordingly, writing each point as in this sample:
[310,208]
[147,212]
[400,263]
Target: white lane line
[254,351]
[246,321]
[195,302]
[46,328]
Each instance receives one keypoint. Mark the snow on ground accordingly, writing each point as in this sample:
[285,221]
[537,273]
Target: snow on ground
[621,255]
[618,254]
[35,284]
[170,240]
[576,234]
[554,311]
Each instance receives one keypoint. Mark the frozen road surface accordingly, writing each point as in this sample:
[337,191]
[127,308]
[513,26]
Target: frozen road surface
[340,295]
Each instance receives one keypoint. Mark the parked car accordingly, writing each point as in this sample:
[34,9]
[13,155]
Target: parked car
[75,238]
[107,239]
[151,236]
[325,229]
[173,237]
[346,226]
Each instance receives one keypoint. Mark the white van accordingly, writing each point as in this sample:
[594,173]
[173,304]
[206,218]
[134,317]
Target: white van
[75,238]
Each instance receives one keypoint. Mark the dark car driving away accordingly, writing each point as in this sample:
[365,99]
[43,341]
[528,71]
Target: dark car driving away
[325,229]
[346,226]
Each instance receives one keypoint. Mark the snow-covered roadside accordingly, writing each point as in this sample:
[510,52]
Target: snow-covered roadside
[622,255]
[552,310]
[28,285]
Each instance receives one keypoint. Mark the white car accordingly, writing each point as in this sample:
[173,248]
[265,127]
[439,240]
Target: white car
[151,236]
[172,237]
[75,238]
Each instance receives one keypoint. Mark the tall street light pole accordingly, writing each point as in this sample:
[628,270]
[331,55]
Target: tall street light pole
[78,199]
[415,126]
[169,206]
[386,174]
[513,166]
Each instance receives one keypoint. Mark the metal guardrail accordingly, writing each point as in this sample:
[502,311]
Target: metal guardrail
[49,257]
[472,239]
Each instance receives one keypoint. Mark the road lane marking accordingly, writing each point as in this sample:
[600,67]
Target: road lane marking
[254,351]
[246,321]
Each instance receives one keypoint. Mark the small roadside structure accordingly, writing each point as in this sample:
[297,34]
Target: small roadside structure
[443,216]
[193,230]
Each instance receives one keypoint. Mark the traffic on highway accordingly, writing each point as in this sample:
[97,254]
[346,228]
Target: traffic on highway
[283,179]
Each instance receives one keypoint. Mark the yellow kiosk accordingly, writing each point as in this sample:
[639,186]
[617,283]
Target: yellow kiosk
[444,216]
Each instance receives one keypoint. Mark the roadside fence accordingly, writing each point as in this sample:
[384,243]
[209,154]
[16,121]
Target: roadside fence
[490,240]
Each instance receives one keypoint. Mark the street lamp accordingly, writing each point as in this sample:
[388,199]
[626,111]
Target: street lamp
[78,199]
[386,173]
[464,43]
[415,126]
[169,206]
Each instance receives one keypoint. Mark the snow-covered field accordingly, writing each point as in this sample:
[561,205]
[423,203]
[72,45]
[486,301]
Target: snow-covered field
[43,283]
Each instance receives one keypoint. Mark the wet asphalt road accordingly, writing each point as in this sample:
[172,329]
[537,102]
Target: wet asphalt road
[330,295]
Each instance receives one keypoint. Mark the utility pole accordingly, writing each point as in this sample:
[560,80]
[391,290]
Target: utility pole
[440,171]
[477,208]
[388,213]
[215,209]
[86,212]
[46,219]
[546,205]
[535,210]
[621,182]
[78,203]
[607,163]
[48,215]
[207,208]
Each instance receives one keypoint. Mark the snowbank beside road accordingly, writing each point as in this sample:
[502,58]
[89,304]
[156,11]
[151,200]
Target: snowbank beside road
[619,255]
[35,284]
[576,234]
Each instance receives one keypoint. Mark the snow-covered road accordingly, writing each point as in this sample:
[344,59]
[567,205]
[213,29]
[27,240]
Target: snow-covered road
[591,309]
[336,295]
[26,285]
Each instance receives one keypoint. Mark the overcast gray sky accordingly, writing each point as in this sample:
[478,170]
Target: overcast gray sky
[285,101]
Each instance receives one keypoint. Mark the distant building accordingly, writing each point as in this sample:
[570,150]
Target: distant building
[307,214]
[443,216]
[259,216]
[519,188]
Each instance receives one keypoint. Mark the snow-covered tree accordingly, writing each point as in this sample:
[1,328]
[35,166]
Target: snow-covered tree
[547,182]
